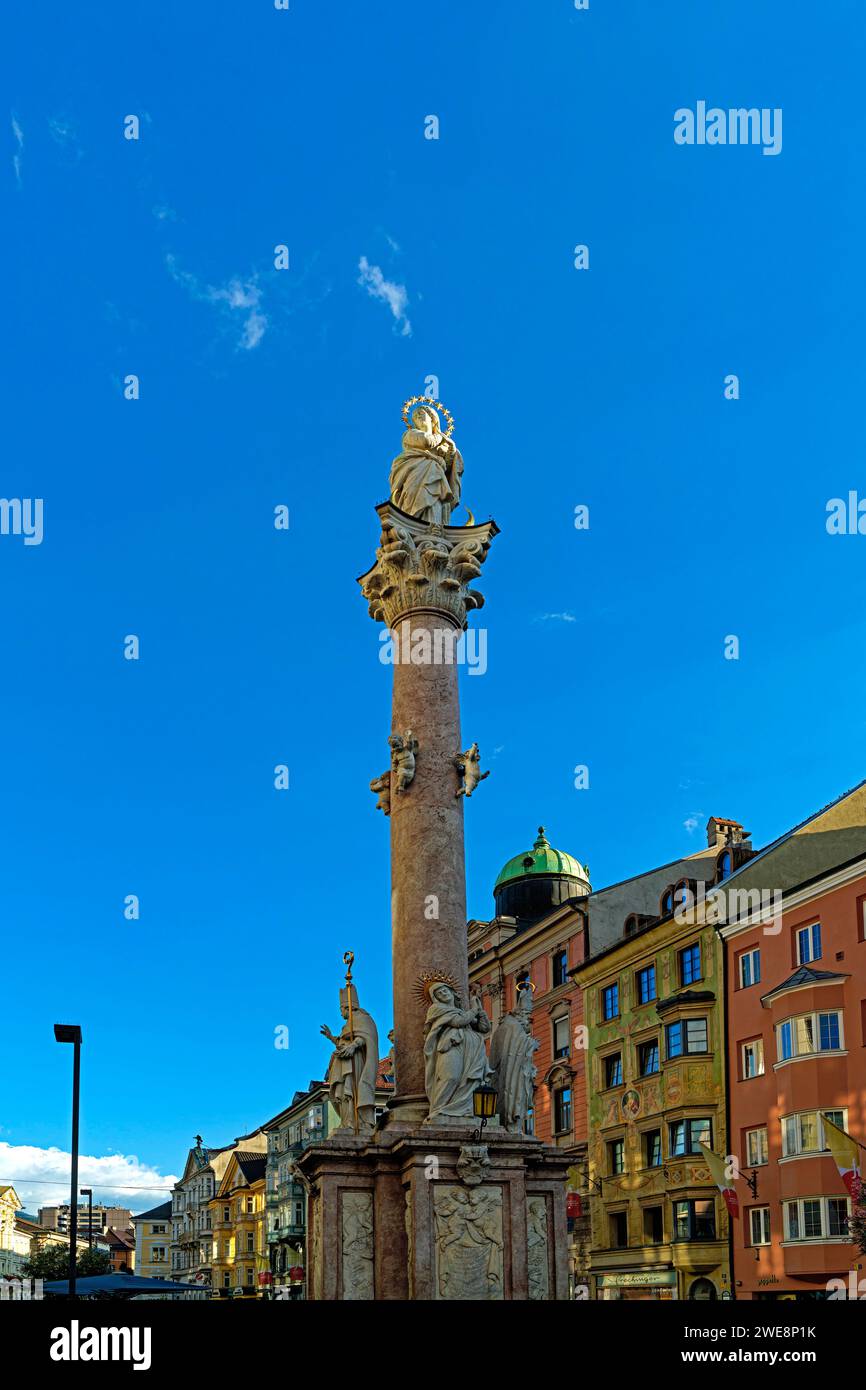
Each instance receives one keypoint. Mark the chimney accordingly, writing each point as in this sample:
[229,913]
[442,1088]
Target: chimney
[721,832]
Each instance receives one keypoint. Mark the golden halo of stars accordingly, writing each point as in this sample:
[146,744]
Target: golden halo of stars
[437,405]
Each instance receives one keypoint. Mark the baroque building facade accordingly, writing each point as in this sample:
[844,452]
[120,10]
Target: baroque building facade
[191,1214]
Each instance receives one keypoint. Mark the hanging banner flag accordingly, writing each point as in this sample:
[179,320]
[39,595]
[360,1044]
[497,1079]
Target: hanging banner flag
[717,1167]
[846,1156]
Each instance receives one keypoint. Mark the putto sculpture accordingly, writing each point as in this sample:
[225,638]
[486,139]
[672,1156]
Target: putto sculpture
[512,1051]
[382,787]
[455,1060]
[355,1062]
[426,474]
[468,765]
[403,750]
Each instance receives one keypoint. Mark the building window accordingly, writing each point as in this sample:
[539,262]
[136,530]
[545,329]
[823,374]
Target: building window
[653,1225]
[724,866]
[560,1036]
[529,1121]
[562,1109]
[618,1230]
[809,943]
[816,1218]
[227,1216]
[837,1216]
[227,1279]
[560,968]
[690,964]
[804,1133]
[616,1156]
[759,1226]
[685,1037]
[613,1070]
[695,1219]
[646,984]
[610,1002]
[685,1136]
[752,1059]
[652,1148]
[631,925]
[808,1034]
[750,968]
[666,906]
[648,1057]
[757,1150]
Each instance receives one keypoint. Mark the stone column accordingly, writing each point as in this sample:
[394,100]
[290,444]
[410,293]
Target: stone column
[419,588]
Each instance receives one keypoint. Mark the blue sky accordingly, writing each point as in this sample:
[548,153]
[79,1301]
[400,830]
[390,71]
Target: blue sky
[260,387]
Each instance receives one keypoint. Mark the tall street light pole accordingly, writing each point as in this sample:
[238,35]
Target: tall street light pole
[71,1033]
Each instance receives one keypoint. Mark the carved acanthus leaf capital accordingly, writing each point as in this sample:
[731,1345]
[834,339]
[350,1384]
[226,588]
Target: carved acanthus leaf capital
[422,566]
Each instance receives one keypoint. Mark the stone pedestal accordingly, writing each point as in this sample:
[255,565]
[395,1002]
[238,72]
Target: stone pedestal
[435,1215]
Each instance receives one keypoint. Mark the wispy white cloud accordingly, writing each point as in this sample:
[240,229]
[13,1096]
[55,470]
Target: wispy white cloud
[556,618]
[19,148]
[41,1177]
[163,213]
[388,292]
[692,821]
[64,134]
[241,298]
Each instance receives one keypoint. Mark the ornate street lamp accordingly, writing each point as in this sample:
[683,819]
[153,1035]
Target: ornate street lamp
[484,1100]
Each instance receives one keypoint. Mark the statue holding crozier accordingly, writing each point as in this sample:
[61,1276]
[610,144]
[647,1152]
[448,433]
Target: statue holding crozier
[354,1063]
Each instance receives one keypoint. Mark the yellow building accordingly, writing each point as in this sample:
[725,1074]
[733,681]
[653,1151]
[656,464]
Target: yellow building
[653,1006]
[237,1212]
[14,1241]
[153,1242]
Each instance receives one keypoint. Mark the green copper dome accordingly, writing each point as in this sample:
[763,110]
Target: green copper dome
[541,859]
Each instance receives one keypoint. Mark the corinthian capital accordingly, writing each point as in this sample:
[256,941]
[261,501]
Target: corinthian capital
[420,566]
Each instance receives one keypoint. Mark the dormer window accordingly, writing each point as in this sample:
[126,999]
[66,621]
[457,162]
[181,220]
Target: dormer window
[725,866]
[684,895]
[631,925]
[666,906]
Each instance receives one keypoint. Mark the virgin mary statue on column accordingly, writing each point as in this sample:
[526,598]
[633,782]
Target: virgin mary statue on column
[426,474]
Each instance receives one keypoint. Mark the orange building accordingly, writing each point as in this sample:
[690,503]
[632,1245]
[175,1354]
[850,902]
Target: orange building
[795,948]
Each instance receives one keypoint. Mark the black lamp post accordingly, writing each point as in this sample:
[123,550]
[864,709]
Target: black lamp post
[484,1100]
[88,1193]
[71,1033]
